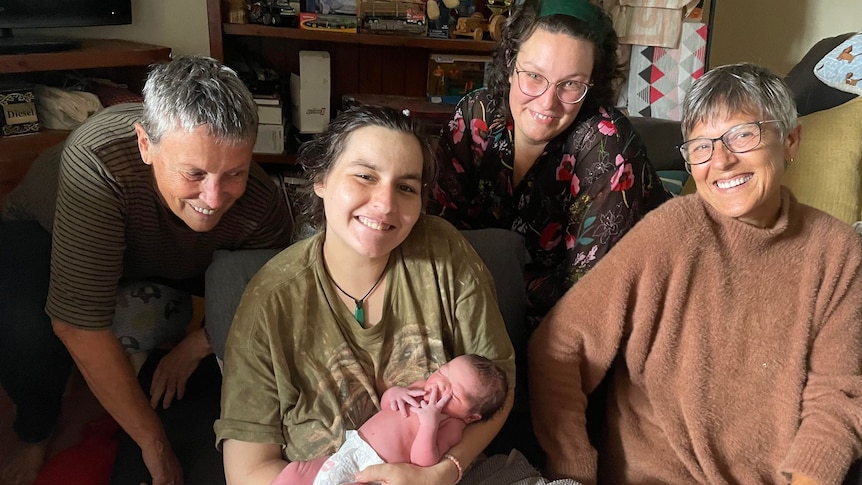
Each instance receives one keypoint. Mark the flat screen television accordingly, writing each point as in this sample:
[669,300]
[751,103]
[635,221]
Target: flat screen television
[35,14]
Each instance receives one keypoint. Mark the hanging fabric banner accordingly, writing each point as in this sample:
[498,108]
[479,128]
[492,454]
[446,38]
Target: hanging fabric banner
[659,78]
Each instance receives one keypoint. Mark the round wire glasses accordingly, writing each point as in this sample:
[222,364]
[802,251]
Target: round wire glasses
[534,84]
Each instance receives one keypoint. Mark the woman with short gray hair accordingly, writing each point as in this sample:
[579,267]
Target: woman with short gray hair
[732,318]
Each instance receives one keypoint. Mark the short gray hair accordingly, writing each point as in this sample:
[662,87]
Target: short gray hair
[191,91]
[739,88]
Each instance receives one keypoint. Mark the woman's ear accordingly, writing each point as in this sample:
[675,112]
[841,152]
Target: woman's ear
[791,142]
[145,145]
[320,188]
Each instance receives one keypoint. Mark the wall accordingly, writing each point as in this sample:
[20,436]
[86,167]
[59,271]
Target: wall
[178,24]
[777,33]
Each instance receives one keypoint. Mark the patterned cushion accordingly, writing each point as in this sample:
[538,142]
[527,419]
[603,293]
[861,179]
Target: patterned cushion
[842,67]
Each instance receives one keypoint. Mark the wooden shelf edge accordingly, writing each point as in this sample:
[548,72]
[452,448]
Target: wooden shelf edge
[94,53]
[428,43]
[28,145]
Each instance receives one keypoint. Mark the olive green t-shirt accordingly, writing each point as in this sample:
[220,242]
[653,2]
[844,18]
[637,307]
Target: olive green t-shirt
[299,370]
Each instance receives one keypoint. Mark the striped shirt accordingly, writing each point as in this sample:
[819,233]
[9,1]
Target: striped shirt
[110,222]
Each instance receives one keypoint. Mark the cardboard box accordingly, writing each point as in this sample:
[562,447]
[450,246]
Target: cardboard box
[450,76]
[17,111]
[310,92]
[347,7]
[269,111]
[270,139]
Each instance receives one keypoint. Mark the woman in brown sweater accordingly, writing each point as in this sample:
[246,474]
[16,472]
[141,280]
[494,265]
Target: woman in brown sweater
[737,343]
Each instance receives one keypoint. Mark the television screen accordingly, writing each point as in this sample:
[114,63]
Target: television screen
[25,14]
[34,14]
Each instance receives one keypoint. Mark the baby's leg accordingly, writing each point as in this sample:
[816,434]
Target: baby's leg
[300,472]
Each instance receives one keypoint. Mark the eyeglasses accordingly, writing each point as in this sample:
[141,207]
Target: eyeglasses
[739,139]
[534,84]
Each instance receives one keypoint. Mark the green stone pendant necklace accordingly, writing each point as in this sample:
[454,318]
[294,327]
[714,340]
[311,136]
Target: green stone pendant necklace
[359,309]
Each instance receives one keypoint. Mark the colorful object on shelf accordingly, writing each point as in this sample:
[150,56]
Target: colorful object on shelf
[399,17]
[450,77]
[659,77]
[327,22]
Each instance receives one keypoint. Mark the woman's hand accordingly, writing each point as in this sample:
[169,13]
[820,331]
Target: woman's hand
[443,473]
[175,368]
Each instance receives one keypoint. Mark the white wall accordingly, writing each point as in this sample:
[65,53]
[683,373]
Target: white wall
[178,24]
[777,33]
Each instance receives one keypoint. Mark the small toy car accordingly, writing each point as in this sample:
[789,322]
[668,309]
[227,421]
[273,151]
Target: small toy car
[476,25]
[272,12]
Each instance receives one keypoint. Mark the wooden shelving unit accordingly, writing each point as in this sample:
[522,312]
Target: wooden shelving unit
[360,64]
[427,43]
[119,60]
[94,53]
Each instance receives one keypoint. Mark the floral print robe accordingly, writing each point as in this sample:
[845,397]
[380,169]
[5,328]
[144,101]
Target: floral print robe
[590,186]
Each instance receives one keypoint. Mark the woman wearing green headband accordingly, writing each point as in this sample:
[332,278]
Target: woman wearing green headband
[542,151]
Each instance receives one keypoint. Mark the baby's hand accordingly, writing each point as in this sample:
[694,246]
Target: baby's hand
[401,399]
[430,410]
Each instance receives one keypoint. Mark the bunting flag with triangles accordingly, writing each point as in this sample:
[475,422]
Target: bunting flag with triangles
[659,77]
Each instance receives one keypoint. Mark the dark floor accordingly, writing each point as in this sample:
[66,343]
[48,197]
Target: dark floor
[79,408]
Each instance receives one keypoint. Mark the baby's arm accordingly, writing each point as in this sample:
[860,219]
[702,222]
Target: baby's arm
[401,399]
[437,432]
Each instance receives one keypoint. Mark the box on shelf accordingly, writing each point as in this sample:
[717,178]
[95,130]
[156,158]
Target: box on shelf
[269,110]
[328,23]
[344,7]
[270,139]
[450,76]
[399,17]
[439,28]
[310,91]
[17,110]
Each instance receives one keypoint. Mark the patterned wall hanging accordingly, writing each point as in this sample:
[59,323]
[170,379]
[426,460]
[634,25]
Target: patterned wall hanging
[659,77]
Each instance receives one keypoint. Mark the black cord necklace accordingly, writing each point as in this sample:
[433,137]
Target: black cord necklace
[359,309]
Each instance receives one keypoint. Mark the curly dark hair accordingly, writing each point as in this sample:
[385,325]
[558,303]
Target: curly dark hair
[607,72]
[318,156]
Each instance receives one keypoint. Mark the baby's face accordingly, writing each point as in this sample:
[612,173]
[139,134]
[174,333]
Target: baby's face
[456,378]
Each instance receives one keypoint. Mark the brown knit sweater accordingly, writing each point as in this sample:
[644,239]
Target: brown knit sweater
[738,352]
